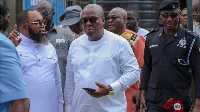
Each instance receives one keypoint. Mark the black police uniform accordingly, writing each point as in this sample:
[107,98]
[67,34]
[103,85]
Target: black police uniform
[165,73]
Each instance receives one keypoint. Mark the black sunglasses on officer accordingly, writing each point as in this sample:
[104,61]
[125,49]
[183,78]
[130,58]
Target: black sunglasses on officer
[172,15]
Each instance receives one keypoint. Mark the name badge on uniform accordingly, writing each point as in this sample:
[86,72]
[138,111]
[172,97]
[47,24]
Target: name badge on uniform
[60,41]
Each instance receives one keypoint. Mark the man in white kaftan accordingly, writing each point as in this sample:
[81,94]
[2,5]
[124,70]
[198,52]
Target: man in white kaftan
[102,58]
[39,64]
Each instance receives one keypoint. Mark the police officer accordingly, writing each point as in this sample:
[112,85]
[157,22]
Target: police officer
[170,51]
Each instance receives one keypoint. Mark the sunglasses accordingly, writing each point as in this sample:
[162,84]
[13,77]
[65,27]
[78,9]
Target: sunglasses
[40,23]
[46,13]
[112,18]
[173,15]
[92,20]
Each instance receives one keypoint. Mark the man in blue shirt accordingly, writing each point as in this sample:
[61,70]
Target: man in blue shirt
[13,92]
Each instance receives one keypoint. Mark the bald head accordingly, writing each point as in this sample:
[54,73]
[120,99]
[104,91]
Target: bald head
[93,21]
[195,7]
[46,8]
[46,4]
[121,11]
[117,20]
[195,3]
[95,8]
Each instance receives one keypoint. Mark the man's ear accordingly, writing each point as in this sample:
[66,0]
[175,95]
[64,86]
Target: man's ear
[23,26]
[125,20]
[137,19]
[103,20]
[160,19]
[53,13]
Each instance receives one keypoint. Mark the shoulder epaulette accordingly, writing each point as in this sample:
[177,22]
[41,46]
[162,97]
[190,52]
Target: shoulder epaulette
[192,33]
[153,30]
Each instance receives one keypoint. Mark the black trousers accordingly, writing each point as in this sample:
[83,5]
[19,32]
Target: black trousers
[154,108]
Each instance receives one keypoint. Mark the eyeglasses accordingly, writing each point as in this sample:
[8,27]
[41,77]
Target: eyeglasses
[112,18]
[173,15]
[92,20]
[46,13]
[40,23]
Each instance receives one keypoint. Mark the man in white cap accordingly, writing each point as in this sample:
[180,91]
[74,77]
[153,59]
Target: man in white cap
[71,18]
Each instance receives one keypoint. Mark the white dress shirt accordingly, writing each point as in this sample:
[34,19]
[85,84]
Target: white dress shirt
[109,61]
[143,32]
[42,75]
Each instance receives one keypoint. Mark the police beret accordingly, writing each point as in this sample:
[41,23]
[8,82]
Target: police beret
[169,5]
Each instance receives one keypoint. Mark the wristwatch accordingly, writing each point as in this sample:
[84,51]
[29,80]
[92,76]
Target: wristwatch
[111,92]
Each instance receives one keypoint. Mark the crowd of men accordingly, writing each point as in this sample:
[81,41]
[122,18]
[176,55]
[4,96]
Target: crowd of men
[88,68]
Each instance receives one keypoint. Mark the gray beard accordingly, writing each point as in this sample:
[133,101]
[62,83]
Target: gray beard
[39,38]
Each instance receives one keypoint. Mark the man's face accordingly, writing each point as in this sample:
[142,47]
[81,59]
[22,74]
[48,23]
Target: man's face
[92,23]
[36,27]
[183,17]
[195,9]
[170,19]
[5,21]
[132,20]
[77,28]
[115,21]
[46,10]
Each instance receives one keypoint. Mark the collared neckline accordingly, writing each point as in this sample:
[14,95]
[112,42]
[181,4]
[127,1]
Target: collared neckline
[53,29]
[26,40]
[177,34]
[100,40]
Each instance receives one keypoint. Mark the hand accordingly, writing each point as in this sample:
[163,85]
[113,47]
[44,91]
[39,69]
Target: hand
[137,98]
[143,102]
[14,36]
[20,105]
[76,35]
[196,107]
[102,91]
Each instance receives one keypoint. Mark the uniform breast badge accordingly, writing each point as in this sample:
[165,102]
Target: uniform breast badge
[182,43]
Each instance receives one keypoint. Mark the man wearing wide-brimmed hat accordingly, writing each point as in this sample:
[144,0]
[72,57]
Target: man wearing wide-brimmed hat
[71,18]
